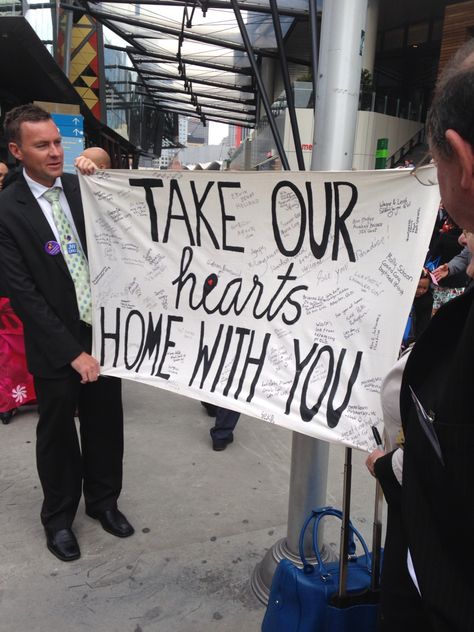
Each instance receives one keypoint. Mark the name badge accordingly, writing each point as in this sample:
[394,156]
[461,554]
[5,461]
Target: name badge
[72,249]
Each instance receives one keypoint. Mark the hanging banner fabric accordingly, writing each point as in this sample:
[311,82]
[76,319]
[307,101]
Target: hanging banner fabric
[280,295]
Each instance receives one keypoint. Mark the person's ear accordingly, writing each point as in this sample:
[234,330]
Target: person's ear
[15,150]
[464,155]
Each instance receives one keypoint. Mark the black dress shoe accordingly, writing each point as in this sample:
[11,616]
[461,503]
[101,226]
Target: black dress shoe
[221,444]
[63,544]
[113,521]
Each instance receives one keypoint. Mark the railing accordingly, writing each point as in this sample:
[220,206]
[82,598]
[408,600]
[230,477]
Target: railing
[383,104]
[415,140]
[10,7]
[368,101]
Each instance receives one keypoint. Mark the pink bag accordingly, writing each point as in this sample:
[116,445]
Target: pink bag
[16,383]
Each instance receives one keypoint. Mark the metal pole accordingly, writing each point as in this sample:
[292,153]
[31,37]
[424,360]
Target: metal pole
[346,510]
[337,96]
[372,107]
[309,457]
[261,87]
[377,538]
[308,482]
[313,20]
[337,102]
[67,45]
[286,80]
[370,40]
[336,105]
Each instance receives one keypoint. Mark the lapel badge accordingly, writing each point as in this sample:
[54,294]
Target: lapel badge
[52,248]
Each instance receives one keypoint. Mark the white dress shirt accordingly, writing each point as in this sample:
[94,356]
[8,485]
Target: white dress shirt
[37,190]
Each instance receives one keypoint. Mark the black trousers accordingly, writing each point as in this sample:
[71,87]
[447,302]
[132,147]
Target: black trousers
[226,420]
[66,466]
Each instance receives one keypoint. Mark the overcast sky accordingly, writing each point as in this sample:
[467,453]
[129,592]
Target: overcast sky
[217,131]
[40,19]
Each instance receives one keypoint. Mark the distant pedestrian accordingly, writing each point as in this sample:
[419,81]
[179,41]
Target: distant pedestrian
[222,433]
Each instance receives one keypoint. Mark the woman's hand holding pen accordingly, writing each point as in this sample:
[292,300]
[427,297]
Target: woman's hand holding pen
[376,454]
[373,456]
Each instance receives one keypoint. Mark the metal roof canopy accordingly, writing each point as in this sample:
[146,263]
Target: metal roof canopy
[198,57]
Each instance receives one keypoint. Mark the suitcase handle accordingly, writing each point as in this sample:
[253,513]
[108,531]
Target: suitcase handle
[317,515]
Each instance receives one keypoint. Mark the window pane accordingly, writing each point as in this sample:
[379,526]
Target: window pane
[393,39]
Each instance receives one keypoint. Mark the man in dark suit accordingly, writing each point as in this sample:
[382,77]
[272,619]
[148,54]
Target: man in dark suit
[435,497]
[43,245]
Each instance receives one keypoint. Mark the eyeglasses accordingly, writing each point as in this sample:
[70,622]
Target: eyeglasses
[423,171]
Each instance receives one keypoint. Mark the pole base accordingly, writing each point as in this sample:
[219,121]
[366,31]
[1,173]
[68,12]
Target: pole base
[262,575]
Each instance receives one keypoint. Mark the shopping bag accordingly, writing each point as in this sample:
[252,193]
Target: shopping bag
[306,599]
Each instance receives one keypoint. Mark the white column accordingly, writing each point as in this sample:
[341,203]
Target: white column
[371,26]
[337,95]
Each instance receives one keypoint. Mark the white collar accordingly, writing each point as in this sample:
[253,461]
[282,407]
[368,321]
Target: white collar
[39,189]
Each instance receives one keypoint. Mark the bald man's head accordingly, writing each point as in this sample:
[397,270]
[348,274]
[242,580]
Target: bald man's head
[98,156]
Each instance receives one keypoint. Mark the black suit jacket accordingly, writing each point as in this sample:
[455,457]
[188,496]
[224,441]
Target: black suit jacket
[39,285]
[437,499]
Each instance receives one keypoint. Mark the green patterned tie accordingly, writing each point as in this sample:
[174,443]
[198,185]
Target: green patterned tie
[73,256]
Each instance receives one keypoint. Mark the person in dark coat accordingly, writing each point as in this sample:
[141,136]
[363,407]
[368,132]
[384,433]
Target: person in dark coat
[44,267]
[436,556]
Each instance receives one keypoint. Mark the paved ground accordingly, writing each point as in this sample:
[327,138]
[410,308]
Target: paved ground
[203,520]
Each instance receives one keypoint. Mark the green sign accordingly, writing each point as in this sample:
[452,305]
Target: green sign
[381,155]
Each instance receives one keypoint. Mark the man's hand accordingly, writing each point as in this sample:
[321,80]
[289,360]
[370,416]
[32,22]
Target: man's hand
[370,461]
[85,166]
[441,272]
[87,367]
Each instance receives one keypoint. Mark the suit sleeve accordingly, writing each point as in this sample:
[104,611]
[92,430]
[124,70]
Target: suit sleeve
[55,341]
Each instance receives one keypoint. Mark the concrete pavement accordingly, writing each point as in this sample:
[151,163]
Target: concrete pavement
[203,520]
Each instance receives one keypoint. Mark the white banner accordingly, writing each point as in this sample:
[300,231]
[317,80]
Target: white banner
[281,295]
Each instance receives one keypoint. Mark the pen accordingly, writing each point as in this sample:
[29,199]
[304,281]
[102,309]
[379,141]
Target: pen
[377,438]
